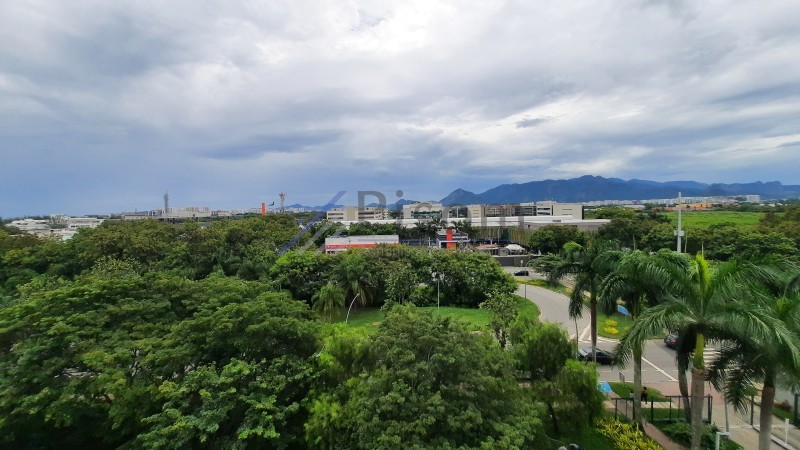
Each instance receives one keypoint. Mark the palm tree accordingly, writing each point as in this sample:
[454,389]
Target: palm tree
[354,276]
[705,304]
[586,263]
[639,279]
[748,359]
[328,301]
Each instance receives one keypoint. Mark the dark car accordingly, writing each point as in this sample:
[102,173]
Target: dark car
[671,340]
[521,273]
[603,357]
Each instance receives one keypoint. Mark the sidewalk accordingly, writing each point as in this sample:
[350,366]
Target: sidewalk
[739,426]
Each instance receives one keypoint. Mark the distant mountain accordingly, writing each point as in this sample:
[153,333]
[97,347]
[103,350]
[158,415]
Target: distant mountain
[462,197]
[590,188]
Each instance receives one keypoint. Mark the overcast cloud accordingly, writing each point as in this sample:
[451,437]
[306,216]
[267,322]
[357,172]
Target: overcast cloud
[104,105]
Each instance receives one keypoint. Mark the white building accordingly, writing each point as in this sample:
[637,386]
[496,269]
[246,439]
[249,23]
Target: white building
[342,244]
[74,223]
[33,226]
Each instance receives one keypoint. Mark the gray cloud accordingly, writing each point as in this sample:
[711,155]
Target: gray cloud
[106,104]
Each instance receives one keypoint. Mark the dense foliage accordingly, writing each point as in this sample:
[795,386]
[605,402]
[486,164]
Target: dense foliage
[157,335]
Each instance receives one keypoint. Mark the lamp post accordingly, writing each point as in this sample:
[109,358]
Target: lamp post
[351,307]
[437,277]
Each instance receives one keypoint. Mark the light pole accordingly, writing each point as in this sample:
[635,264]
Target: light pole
[436,276]
[351,307]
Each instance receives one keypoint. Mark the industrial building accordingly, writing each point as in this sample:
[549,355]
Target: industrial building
[342,244]
[354,213]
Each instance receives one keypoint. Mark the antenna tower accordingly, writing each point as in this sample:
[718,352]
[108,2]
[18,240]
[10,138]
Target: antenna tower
[282,195]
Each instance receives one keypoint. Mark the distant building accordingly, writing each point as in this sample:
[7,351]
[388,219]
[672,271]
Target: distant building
[74,223]
[423,210]
[356,214]
[342,244]
[33,226]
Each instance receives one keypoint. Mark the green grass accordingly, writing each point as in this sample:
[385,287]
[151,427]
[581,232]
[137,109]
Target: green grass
[623,325]
[371,318]
[624,391]
[560,288]
[590,438]
[782,413]
[704,219]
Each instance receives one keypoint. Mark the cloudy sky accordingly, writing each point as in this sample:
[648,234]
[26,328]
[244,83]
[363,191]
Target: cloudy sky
[104,105]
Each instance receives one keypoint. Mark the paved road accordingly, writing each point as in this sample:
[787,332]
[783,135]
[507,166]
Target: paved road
[659,369]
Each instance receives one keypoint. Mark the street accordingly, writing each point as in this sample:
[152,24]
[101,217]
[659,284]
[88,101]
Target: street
[659,368]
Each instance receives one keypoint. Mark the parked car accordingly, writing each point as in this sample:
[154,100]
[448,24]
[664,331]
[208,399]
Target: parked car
[521,273]
[603,357]
[671,340]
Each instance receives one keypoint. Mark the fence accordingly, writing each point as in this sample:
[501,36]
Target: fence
[670,409]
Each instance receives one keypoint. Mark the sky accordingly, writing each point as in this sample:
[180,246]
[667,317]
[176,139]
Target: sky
[106,105]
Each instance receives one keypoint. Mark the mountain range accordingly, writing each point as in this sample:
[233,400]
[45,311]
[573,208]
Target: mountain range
[590,188]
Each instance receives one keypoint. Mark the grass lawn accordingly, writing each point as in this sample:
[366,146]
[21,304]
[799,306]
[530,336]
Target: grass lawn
[560,288]
[623,324]
[782,413]
[371,318]
[590,438]
[704,219]
[624,391]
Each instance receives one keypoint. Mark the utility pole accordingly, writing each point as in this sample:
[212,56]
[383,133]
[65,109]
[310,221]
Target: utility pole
[679,232]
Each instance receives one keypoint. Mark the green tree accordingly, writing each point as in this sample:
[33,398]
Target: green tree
[704,304]
[748,360]
[551,238]
[639,280]
[115,358]
[567,388]
[328,302]
[502,312]
[355,277]
[249,372]
[588,264]
[402,282]
[303,273]
[431,384]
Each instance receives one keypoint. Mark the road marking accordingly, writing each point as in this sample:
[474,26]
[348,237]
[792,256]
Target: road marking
[671,378]
[585,330]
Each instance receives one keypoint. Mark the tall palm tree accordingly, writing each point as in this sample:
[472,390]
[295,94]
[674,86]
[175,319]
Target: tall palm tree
[328,301]
[639,279]
[355,277]
[749,359]
[586,263]
[705,304]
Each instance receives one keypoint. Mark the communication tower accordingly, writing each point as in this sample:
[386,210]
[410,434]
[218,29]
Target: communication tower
[282,195]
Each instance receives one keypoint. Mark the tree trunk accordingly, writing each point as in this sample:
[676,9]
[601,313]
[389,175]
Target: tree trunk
[698,391]
[683,385]
[765,419]
[593,323]
[637,385]
[553,417]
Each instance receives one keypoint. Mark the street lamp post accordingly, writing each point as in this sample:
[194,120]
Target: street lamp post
[437,276]
[351,307]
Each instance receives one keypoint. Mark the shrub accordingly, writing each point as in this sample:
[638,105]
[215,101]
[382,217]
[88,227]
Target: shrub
[681,433]
[611,323]
[611,330]
[626,436]
[784,405]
